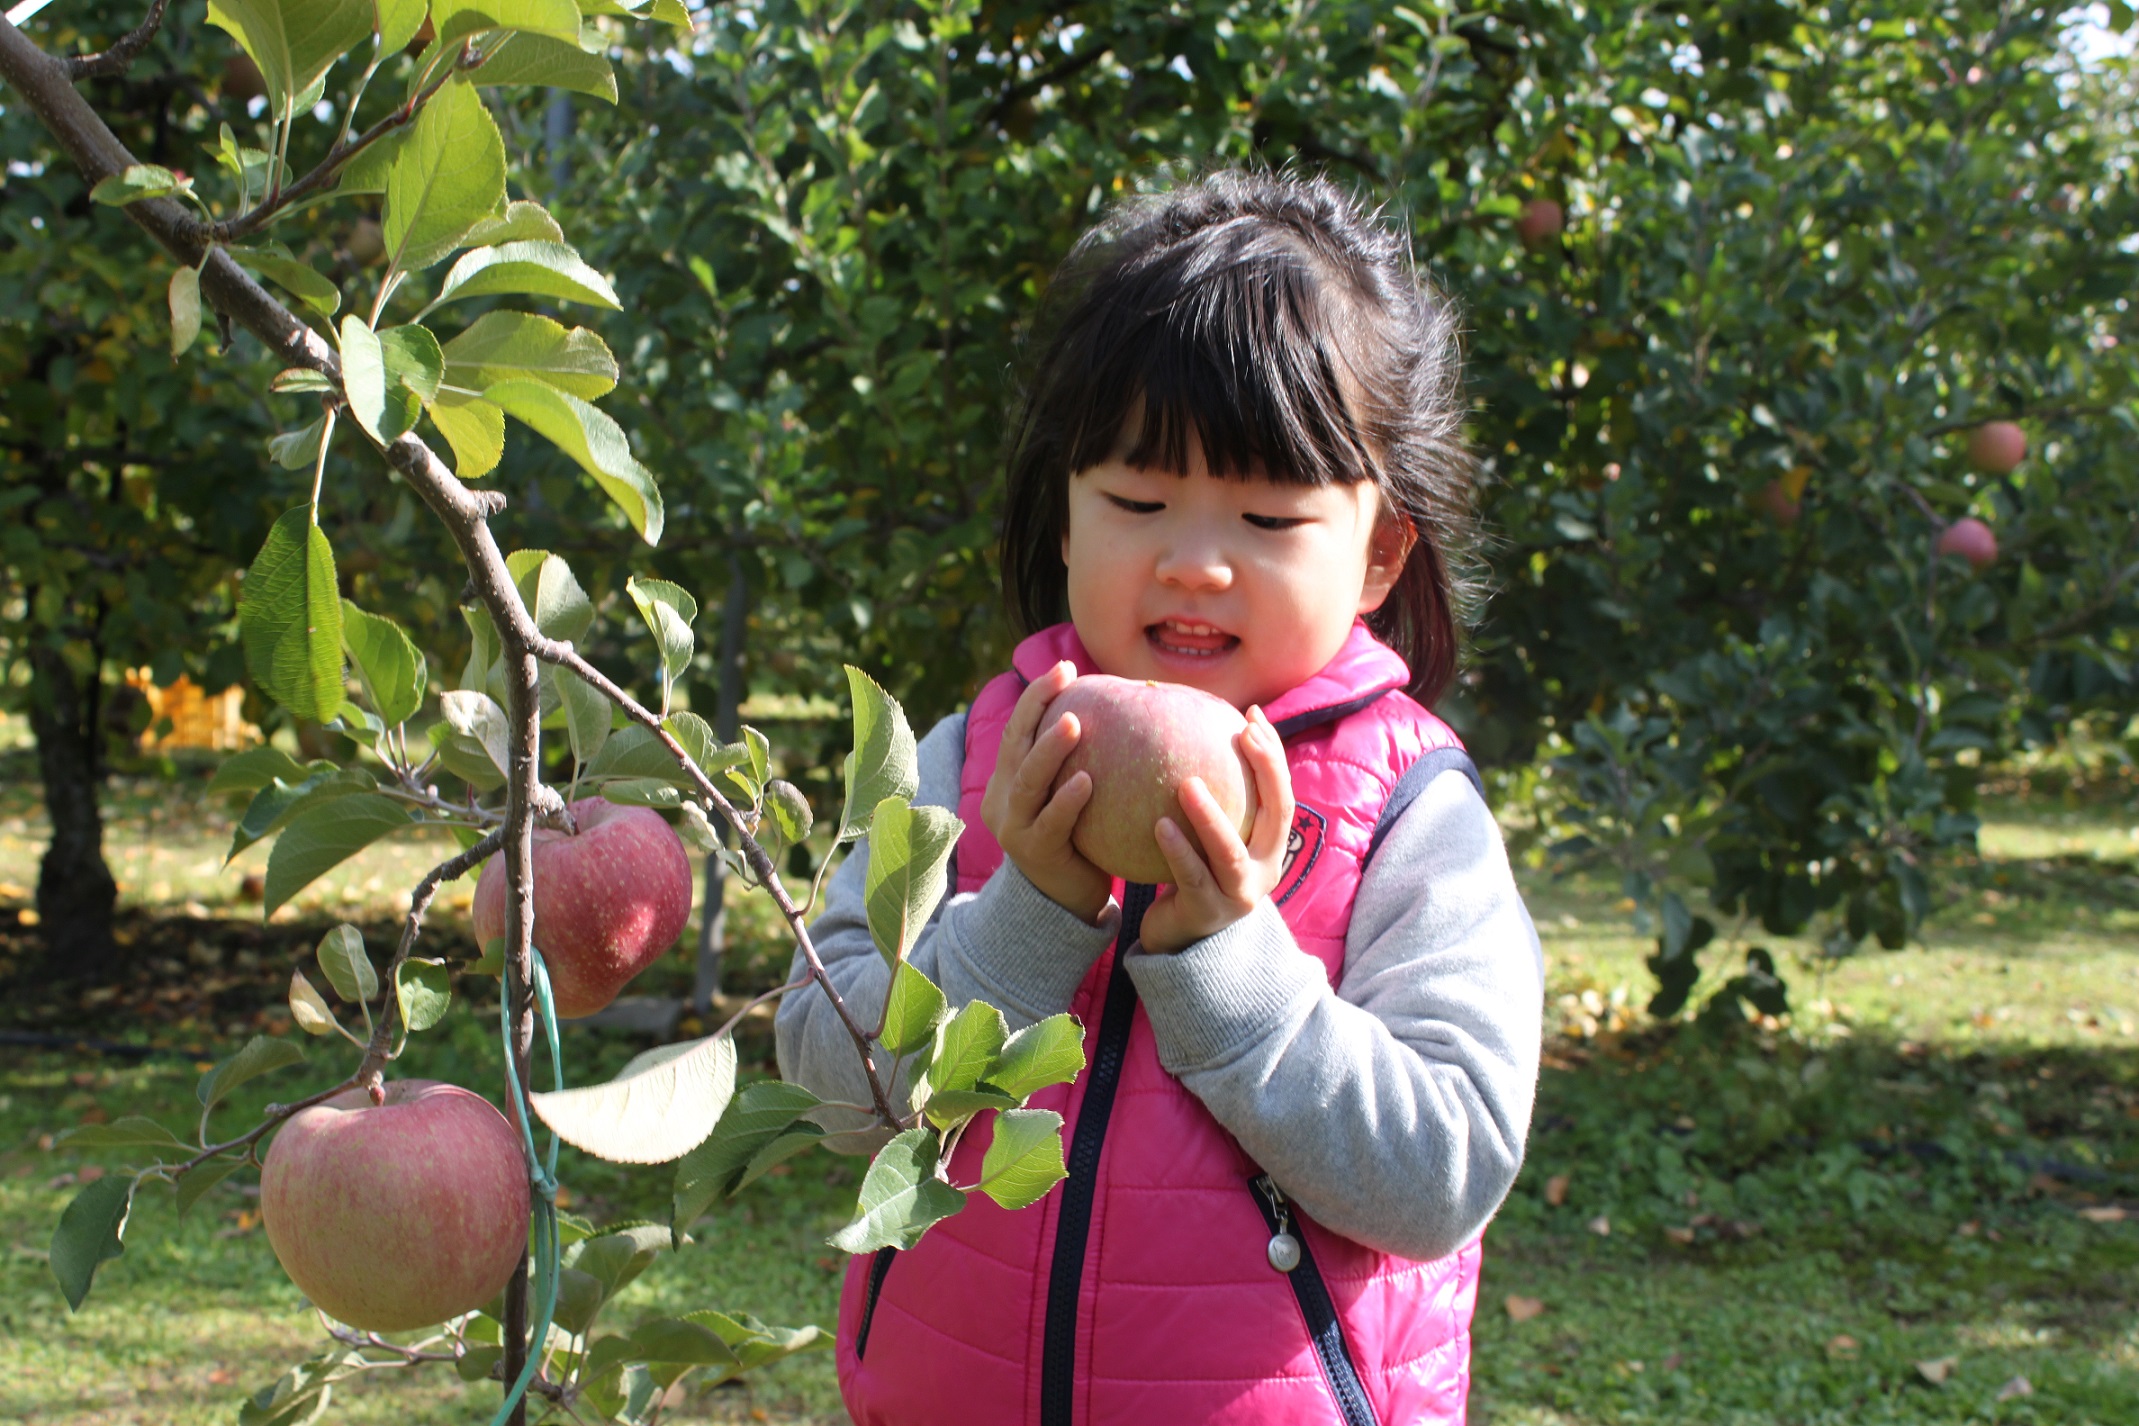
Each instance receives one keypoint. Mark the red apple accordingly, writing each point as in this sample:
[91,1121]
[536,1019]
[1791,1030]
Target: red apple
[398,1215]
[242,80]
[608,901]
[1775,502]
[1140,740]
[1971,539]
[1542,218]
[1996,447]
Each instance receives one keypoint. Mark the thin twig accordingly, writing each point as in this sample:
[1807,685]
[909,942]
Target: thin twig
[120,57]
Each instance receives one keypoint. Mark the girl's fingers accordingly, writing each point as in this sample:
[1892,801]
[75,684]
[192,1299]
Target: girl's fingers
[1055,821]
[1223,853]
[1034,781]
[1025,717]
[1265,752]
[1189,872]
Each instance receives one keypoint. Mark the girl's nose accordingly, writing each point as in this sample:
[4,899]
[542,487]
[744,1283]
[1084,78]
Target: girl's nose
[1195,564]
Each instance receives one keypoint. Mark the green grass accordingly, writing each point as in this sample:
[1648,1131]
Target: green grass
[1798,1214]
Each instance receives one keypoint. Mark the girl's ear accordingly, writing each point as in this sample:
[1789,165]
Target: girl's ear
[1394,535]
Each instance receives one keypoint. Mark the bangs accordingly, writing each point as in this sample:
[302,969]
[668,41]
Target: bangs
[1225,339]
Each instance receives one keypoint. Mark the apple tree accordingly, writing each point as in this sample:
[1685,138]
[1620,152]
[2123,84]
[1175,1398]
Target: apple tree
[440,341]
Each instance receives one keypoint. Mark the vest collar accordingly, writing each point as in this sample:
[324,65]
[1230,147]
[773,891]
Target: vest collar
[1363,670]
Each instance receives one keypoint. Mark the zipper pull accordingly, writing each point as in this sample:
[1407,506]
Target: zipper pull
[1284,1249]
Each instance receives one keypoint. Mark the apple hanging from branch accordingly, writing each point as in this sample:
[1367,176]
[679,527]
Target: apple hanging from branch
[1997,447]
[397,1215]
[1972,540]
[609,900]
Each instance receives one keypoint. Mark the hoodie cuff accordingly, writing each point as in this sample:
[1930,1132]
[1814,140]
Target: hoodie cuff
[1020,950]
[1216,997]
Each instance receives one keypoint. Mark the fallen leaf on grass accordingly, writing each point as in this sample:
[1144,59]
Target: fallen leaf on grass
[1681,1236]
[1556,1189]
[2018,1386]
[1600,1225]
[1841,1345]
[2109,1214]
[222,1376]
[1969,1229]
[1937,1369]
[1672,1363]
[1522,1309]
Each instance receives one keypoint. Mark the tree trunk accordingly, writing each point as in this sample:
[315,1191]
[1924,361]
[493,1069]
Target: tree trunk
[75,890]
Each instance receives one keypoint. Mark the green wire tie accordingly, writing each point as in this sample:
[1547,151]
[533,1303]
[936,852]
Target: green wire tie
[542,1177]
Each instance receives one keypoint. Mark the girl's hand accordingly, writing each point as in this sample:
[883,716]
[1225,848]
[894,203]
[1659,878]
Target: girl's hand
[1208,897]
[1032,826]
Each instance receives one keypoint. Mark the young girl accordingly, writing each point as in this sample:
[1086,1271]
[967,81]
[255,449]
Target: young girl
[1311,1058]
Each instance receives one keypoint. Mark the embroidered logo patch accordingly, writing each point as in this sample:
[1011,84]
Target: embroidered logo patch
[1303,847]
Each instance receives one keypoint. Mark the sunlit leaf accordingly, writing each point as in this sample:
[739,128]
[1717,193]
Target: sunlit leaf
[659,1107]
[901,1197]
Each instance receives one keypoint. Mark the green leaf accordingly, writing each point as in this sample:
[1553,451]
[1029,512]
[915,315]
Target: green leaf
[309,285]
[1051,1052]
[909,848]
[901,1197]
[414,361]
[290,618]
[531,267]
[591,438]
[883,763]
[131,1132]
[947,1108]
[90,1233]
[185,308]
[399,20]
[786,822]
[755,1344]
[561,608]
[386,659]
[480,725]
[308,1007]
[135,182]
[294,44]
[274,805]
[368,171]
[751,775]
[194,1183]
[255,768]
[424,989]
[668,610]
[911,1011]
[300,381]
[300,1395]
[321,838]
[455,18]
[249,166]
[550,63]
[510,346]
[298,449]
[475,430]
[760,1114]
[364,377]
[346,964]
[965,1047]
[671,1347]
[448,177]
[615,1258]
[263,1054]
[586,714]
[1024,1160]
[522,218]
[797,1139]
[660,1106]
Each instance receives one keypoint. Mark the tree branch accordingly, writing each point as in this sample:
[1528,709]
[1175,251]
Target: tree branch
[120,57]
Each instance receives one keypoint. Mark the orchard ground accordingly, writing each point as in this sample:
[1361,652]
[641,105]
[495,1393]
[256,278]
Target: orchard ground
[1916,1201]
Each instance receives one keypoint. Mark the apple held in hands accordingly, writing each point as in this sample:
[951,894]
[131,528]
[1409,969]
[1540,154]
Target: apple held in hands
[608,901]
[1140,740]
[397,1215]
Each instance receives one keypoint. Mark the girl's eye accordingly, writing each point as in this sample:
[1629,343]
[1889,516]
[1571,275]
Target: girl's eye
[1274,522]
[1136,507]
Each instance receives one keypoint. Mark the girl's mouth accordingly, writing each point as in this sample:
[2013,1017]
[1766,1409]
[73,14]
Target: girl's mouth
[1189,639]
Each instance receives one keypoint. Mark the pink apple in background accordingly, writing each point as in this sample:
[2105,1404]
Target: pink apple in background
[1140,740]
[1995,447]
[1775,502]
[1541,218]
[398,1215]
[608,901]
[1971,539]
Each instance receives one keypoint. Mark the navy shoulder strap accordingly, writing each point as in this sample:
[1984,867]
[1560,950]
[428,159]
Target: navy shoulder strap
[1413,782]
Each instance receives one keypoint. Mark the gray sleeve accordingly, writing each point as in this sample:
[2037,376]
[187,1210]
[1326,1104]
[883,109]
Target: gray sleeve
[1007,944]
[1393,1108]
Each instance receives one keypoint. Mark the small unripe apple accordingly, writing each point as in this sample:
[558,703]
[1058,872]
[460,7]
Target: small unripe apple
[1995,447]
[367,242]
[397,1215]
[1140,740]
[242,80]
[608,900]
[1542,218]
[1774,501]
[1971,539]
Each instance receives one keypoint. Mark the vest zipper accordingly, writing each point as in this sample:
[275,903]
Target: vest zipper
[1073,1221]
[878,1270]
[1323,1327]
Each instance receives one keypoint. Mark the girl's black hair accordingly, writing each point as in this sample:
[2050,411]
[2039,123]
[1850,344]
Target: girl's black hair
[1287,331]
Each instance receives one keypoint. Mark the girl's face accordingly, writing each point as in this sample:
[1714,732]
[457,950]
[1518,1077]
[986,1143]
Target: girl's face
[1242,588]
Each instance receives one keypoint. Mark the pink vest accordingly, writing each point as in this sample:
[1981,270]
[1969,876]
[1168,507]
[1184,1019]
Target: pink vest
[1142,1288]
